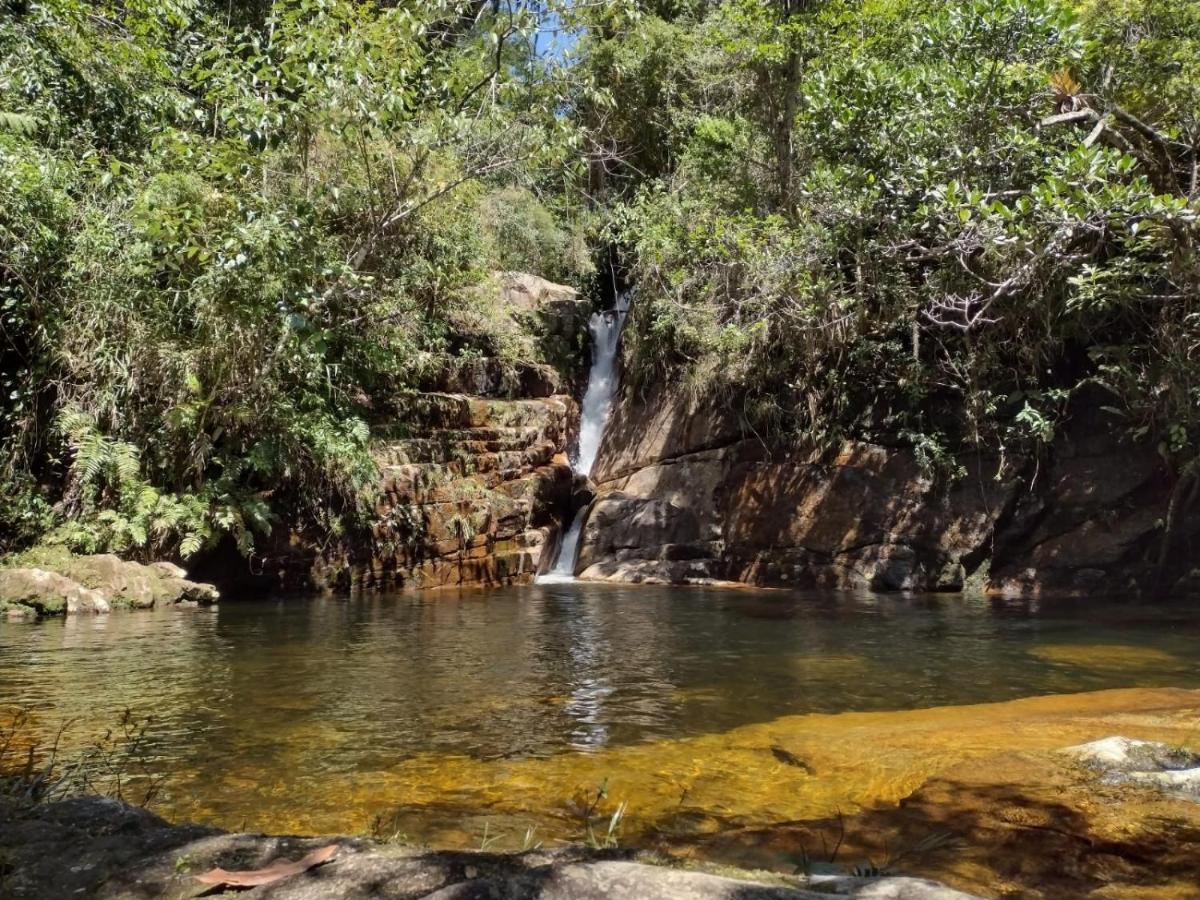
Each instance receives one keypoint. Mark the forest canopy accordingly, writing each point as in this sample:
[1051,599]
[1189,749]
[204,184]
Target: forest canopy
[230,231]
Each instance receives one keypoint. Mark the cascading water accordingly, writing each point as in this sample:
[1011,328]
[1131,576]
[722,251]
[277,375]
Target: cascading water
[605,330]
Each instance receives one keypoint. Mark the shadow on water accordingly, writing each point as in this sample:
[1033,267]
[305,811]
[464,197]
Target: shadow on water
[1043,838]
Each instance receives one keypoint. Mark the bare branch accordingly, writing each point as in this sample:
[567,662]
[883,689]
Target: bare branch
[1080,115]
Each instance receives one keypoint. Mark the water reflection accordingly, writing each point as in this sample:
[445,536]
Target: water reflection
[260,702]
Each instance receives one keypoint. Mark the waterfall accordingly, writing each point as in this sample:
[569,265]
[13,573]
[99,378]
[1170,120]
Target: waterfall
[605,331]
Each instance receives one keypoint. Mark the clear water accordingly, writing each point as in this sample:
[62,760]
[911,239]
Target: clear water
[267,710]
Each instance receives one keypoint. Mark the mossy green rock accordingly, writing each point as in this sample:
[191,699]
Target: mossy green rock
[25,593]
[51,581]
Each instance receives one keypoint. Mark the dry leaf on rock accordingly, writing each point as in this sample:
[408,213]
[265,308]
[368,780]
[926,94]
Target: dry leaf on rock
[276,871]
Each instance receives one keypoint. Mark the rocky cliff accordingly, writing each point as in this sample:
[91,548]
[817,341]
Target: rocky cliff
[473,477]
[472,491]
[686,494]
[474,486]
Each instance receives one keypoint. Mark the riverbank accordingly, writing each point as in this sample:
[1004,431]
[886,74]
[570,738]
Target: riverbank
[101,848]
[47,582]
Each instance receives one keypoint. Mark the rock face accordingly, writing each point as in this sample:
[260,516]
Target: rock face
[101,848]
[542,320]
[473,476]
[490,377]
[471,491]
[687,496]
[1093,519]
[58,583]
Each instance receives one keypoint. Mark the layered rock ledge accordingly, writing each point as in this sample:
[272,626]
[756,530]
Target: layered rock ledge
[471,492]
[473,477]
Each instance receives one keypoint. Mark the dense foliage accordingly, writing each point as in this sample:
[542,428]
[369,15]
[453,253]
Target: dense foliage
[228,231]
[925,224]
[224,237]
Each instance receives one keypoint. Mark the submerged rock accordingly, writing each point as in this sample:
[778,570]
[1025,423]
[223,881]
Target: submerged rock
[102,848]
[1123,760]
[56,583]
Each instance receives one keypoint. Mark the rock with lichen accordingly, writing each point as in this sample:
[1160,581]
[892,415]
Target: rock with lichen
[53,582]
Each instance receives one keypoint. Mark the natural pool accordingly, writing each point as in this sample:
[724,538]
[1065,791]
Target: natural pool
[448,717]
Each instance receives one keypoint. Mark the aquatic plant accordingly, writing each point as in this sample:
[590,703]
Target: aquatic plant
[115,764]
[610,838]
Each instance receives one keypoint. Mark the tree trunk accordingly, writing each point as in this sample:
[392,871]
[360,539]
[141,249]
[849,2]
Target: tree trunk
[785,120]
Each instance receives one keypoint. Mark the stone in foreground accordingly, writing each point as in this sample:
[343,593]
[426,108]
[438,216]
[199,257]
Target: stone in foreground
[96,847]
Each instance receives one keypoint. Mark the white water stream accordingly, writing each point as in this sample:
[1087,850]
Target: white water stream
[605,330]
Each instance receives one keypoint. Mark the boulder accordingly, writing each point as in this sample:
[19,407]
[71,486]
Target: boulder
[47,593]
[133,585]
[555,314]
[558,305]
[1121,759]
[169,570]
[60,583]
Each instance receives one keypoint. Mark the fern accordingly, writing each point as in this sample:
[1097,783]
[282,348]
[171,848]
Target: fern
[120,511]
[126,462]
[191,544]
[91,457]
[147,498]
[137,534]
[18,123]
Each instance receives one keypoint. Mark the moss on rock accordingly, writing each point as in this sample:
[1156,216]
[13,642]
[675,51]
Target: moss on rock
[51,581]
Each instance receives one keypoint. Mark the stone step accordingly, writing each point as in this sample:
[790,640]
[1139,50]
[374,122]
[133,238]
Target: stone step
[402,433]
[443,447]
[424,412]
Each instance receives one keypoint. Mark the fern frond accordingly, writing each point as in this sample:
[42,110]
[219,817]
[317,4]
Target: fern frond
[72,422]
[147,499]
[126,460]
[91,457]
[137,534]
[18,123]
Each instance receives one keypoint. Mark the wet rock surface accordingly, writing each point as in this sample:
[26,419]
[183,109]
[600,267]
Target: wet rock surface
[471,492]
[1086,520]
[1152,763]
[618,524]
[53,582]
[102,848]
[1031,824]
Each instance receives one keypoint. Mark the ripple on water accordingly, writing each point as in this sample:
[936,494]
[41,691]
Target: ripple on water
[793,769]
[695,706]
